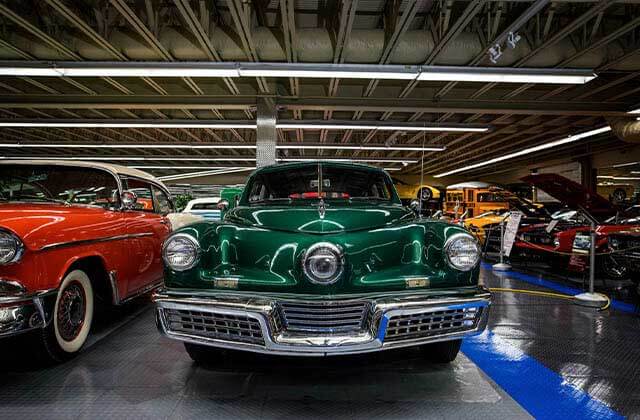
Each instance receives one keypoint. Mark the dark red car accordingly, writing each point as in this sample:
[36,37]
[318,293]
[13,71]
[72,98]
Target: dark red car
[566,240]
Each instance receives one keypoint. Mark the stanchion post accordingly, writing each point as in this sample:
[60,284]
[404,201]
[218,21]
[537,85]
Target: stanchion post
[591,298]
[501,266]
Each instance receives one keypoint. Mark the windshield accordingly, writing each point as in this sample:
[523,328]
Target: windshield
[58,184]
[319,181]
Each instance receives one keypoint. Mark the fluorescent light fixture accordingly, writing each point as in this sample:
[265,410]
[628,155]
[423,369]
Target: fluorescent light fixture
[325,146]
[119,69]
[635,111]
[326,71]
[527,151]
[235,146]
[392,169]
[228,124]
[619,178]
[366,160]
[320,70]
[504,75]
[54,123]
[622,165]
[129,146]
[325,125]
[203,173]
[205,159]
[137,158]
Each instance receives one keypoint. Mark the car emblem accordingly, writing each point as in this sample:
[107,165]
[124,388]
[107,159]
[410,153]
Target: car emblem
[321,208]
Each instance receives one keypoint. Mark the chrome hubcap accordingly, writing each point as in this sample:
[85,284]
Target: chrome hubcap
[71,311]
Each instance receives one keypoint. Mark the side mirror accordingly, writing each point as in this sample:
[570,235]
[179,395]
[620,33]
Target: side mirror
[223,205]
[129,199]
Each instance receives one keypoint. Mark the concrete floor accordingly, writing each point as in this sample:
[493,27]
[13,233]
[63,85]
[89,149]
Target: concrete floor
[129,371]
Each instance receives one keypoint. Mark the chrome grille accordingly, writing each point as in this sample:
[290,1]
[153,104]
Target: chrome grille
[324,316]
[215,325]
[426,324]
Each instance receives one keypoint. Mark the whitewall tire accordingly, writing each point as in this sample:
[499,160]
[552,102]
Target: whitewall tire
[71,319]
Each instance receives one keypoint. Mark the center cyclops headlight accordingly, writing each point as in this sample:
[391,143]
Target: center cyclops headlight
[181,252]
[462,251]
[11,248]
[323,263]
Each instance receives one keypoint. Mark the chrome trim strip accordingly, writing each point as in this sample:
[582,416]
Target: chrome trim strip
[262,310]
[115,294]
[146,289]
[93,241]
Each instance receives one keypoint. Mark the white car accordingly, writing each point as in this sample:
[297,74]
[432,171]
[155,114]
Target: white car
[204,207]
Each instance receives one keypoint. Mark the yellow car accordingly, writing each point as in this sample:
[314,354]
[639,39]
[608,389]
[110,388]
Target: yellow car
[429,195]
[477,225]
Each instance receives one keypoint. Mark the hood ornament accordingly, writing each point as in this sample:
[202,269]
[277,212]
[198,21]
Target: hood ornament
[321,208]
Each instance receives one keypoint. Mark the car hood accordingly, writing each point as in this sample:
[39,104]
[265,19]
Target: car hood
[308,219]
[571,193]
[41,224]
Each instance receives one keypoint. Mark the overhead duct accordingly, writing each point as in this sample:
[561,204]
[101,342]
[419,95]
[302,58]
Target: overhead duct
[625,128]
[315,45]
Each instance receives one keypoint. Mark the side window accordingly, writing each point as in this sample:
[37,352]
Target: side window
[162,203]
[143,191]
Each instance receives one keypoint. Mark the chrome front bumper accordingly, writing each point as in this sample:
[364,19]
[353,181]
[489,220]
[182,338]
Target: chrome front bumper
[260,324]
[21,312]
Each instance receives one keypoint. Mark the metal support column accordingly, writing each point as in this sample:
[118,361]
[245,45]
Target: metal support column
[266,132]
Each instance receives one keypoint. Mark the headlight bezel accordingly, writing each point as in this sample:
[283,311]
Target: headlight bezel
[189,238]
[19,248]
[337,252]
[450,242]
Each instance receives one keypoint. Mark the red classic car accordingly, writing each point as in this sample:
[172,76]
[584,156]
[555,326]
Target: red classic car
[72,233]
[566,243]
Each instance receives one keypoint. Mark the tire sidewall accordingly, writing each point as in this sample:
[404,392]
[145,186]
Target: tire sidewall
[73,346]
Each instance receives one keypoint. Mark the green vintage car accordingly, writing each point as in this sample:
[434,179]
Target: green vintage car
[319,259]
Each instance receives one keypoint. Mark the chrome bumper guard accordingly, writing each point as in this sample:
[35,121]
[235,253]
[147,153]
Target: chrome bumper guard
[319,327]
[21,312]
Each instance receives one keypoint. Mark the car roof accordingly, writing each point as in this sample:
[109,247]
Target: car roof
[334,163]
[470,184]
[204,200]
[116,169]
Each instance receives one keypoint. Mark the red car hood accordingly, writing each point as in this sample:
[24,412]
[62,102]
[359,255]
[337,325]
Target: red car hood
[40,224]
[571,193]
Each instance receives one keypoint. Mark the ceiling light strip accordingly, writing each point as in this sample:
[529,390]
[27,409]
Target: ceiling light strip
[217,146]
[222,124]
[286,70]
[403,161]
[203,173]
[527,151]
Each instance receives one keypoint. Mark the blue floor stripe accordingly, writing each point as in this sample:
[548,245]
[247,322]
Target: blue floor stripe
[539,390]
[558,287]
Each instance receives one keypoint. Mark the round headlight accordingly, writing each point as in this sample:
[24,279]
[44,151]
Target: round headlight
[462,251]
[556,242]
[11,248]
[323,263]
[181,252]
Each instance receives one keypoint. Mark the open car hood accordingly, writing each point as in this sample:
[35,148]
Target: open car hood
[572,194]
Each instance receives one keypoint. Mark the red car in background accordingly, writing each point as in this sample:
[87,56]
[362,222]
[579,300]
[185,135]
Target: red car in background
[565,241]
[73,233]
